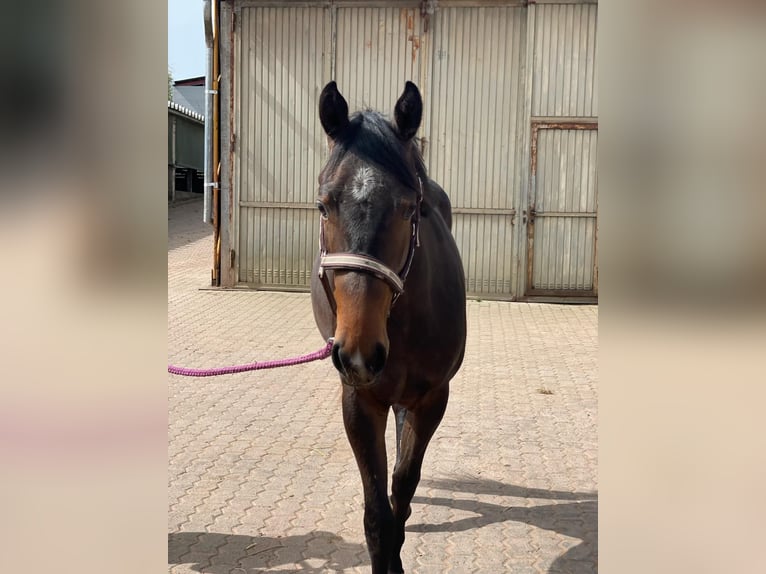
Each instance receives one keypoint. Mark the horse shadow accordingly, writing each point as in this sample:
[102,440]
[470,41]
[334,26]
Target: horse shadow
[576,516]
[215,553]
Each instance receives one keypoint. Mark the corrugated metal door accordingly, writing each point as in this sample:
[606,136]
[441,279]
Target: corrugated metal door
[287,54]
[282,65]
[487,73]
[476,148]
[377,50]
[562,215]
[561,207]
[564,68]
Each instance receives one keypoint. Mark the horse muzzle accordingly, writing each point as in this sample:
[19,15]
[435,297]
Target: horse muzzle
[359,369]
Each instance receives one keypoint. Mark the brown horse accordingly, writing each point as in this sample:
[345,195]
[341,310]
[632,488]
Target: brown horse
[388,286]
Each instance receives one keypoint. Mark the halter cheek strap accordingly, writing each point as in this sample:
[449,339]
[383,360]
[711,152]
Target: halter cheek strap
[367,264]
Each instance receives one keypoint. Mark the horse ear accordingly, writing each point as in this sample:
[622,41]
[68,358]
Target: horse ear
[408,112]
[333,110]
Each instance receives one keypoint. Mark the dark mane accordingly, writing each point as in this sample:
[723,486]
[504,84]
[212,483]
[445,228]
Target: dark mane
[370,137]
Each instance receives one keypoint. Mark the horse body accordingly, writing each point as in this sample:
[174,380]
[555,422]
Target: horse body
[376,201]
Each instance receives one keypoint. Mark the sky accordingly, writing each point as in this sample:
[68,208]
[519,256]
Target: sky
[186,39]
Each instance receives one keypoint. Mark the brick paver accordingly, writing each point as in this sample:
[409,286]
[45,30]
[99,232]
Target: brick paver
[262,478]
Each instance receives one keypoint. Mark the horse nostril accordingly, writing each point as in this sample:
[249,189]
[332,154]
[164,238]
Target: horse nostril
[336,357]
[378,360]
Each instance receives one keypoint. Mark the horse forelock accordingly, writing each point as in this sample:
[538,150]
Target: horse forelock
[370,139]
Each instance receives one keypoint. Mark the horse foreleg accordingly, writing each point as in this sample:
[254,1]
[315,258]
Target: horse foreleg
[419,426]
[365,423]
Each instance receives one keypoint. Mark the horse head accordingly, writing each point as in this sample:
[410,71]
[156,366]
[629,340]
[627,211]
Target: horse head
[369,202]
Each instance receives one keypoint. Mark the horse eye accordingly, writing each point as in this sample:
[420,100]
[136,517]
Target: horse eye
[409,211]
[322,209]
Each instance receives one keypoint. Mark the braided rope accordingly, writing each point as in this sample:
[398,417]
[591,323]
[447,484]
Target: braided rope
[322,353]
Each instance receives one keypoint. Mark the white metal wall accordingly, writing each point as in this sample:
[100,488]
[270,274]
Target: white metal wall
[565,71]
[284,61]
[377,50]
[475,146]
[486,73]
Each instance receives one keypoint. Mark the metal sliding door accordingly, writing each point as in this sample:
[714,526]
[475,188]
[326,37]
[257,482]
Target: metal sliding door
[495,78]
[378,49]
[283,63]
[562,219]
[476,148]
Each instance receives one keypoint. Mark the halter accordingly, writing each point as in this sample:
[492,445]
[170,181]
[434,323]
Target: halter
[366,263]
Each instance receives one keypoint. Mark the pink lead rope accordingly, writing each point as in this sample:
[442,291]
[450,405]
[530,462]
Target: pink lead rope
[322,353]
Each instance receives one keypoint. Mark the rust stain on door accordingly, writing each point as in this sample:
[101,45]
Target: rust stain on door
[415,47]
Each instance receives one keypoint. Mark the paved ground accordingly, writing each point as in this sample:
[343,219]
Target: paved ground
[262,479]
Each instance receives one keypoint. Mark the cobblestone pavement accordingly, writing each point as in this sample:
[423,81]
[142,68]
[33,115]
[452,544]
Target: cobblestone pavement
[262,479]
